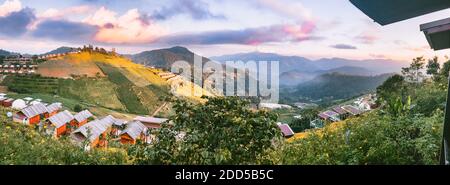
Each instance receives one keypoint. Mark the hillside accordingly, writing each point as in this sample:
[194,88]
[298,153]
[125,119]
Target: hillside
[164,58]
[4,53]
[349,70]
[108,81]
[61,50]
[295,70]
[334,86]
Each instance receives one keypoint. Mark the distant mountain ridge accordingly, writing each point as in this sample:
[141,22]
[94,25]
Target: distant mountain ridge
[6,53]
[164,58]
[295,70]
[60,50]
[334,86]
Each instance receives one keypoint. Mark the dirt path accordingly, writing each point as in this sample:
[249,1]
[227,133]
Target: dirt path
[159,109]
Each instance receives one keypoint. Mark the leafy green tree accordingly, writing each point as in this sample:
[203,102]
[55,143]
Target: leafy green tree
[414,71]
[77,108]
[445,70]
[398,106]
[221,131]
[394,86]
[304,123]
[433,67]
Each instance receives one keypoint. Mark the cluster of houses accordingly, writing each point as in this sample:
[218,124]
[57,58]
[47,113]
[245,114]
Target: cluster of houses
[81,127]
[18,69]
[50,56]
[336,114]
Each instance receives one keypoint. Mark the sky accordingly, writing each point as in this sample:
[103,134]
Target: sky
[308,28]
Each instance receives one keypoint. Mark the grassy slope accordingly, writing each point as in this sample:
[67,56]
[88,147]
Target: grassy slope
[129,86]
[106,81]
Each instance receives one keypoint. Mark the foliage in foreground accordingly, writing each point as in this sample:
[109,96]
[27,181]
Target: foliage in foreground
[23,145]
[371,139]
[222,131]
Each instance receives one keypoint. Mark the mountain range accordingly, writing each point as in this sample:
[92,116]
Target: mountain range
[305,77]
[295,70]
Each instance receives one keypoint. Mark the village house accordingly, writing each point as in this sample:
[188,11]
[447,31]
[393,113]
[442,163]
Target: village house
[53,109]
[317,123]
[151,122]
[118,126]
[329,116]
[81,118]
[342,113]
[353,111]
[94,132]
[285,130]
[135,131]
[7,102]
[31,115]
[57,125]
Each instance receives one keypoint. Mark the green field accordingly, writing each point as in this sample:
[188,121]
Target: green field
[124,89]
[32,84]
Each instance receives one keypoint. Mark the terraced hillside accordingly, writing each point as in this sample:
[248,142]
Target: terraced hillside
[107,81]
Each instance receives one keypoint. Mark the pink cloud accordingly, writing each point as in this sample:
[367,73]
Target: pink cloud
[131,27]
[367,37]
[10,6]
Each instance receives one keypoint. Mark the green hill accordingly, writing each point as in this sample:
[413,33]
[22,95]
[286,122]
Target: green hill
[334,86]
[102,80]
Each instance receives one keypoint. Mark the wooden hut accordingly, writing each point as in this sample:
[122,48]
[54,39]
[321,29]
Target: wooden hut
[53,109]
[135,131]
[81,118]
[151,122]
[57,124]
[94,132]
[31,115]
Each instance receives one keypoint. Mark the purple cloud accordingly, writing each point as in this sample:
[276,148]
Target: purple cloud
[15,23]
[249,36]
[65,30]
[196,9]
[343,46]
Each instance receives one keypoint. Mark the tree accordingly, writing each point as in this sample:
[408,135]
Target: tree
[224,130]
[433,67]
[77,108]
[445,70]
[304,123]
[394,86]
[413,72]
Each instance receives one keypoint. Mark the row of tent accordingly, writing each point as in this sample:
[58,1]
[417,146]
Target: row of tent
[82,126]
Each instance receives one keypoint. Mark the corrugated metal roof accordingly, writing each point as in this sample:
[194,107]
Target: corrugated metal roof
[150,119]
[330,113]
[323,116]
[352,110]
[61,118]
[134,129]
[34,110]
[83,115]
[54,107]
[119,122]
[339,110]
[286,130]
[96,128]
